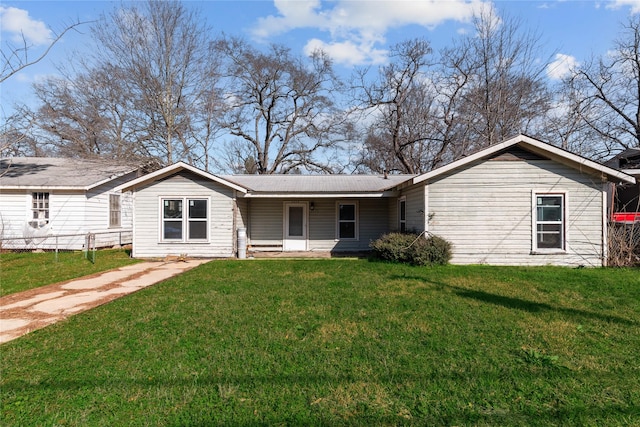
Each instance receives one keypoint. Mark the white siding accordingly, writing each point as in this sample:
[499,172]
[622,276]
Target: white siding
[147,224]
[70,212]
[265,222]
[14,213]
[486,212]
[393,223]
[415,208]
[97,206]
[67,214]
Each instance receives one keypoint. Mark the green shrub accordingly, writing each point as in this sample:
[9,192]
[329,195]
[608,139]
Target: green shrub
[411,248]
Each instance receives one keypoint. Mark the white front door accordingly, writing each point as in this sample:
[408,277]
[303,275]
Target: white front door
[295,227]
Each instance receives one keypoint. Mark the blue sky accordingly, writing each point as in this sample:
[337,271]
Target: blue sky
[356,32]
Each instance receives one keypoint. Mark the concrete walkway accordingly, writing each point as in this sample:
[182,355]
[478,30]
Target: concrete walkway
[27,311]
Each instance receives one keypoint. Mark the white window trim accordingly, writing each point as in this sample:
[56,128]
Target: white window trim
[34,221]
[564,249]
[185,219]
[119,224]
[401,200]
[356,220]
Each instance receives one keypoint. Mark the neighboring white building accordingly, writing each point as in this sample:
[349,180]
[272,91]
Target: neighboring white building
[520,202]
[42,197]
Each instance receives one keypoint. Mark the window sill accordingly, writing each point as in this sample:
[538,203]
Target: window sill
[549,252]
[182,242]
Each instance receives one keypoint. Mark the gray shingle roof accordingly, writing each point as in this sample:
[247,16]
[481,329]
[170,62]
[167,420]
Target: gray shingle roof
[317,183]
[50,172]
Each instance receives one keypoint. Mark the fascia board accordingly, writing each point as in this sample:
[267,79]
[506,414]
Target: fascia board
[382,194]
[172,169]
[539,147]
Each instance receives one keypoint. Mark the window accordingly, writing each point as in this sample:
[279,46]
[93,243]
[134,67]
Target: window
[40,210]
[549,222]
[172,219]
[114,210]
[347,221]
[197,219]
[402,214]
[176,225]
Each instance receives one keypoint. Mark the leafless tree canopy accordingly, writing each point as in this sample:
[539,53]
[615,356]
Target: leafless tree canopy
[162,51]
[489,86]
[161,87]
[606,96]
[145,93]
[17,57]
[398,103]
[280,108]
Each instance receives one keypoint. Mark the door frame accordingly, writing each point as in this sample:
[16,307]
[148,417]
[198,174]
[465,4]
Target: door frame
[292,244]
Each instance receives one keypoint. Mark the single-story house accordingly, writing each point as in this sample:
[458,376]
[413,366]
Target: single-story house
[41,198]
[520,202]
[625,200]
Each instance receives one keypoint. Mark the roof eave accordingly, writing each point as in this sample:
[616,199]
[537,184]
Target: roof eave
[172,169]
[44,188]
[320,195]
[539,146]
[111,178]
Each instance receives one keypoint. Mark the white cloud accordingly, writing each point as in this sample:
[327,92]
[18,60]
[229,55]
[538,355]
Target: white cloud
[355,27]
[633,4]
[561,66]
[18,23]
[347,52]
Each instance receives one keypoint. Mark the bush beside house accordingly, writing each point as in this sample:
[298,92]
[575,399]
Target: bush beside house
[412,248]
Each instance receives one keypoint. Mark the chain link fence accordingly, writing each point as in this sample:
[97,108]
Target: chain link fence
[88,243]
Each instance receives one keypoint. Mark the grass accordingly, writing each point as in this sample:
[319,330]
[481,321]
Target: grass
[26,270]
[340,342]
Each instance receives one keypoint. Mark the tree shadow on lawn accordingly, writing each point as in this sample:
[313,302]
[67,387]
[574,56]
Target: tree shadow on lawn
[521,304]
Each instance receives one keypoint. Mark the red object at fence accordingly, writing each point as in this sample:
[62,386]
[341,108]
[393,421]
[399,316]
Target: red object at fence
[626,217]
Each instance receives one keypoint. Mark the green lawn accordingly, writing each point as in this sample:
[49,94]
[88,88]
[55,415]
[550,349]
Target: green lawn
[340,342]
[22,271]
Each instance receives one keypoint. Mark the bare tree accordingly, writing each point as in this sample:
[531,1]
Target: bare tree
[17,57]
[610,91]
[279,107]
[489,86]
[505,91]
[567,123]
[162,51]
[399,103]
[88,114]
[145,93]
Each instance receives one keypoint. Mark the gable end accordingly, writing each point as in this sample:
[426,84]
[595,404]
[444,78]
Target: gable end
[514,154]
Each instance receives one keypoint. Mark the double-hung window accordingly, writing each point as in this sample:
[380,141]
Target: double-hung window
[39,209]
[114,210]
[549,222]
[185,219]
[347,220]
